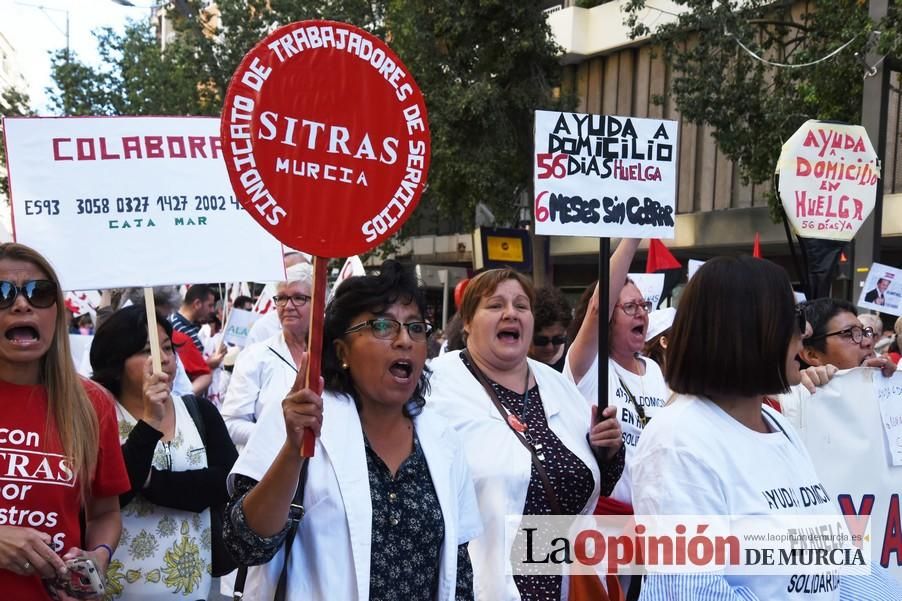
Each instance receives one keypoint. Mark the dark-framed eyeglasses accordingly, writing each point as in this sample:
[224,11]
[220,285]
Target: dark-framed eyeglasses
[852,334]
[385,328]
[40,294]
[299,300]
[632,307]
[540,340]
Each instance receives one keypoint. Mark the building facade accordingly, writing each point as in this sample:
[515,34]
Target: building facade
[610,73]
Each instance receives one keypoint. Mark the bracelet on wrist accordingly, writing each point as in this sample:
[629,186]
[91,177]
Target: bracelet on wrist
[108,549]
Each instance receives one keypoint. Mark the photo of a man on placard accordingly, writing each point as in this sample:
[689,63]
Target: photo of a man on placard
[876,295]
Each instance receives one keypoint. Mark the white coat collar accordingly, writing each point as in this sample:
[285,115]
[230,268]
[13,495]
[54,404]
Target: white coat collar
[342,439]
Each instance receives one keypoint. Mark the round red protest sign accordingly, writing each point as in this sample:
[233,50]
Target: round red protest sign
[325,138]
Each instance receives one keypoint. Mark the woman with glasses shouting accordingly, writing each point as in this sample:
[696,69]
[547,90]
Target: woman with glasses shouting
[636,387]
[264,371]
[388,504]
[532,445]
[59,441]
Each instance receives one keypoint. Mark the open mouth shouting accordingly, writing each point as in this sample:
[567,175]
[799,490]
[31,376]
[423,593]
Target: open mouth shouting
[402,371]
[509,335]
[23,335]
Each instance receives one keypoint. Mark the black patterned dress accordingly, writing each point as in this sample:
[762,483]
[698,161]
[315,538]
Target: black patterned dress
[570,478]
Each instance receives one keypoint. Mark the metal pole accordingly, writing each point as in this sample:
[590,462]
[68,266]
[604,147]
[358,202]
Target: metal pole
[873,118]
[604,293]
[443,276]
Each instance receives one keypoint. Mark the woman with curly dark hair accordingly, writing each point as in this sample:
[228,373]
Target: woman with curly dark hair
[389,502]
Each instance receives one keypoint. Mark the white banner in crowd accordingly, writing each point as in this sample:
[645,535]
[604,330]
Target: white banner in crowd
[889,398]
[132,201]
[352,267]
[847,437]
[82,302]
[238,327]
[601,175]
[694,264]
[651,285]
[828,179]
[882,290]
[265,303]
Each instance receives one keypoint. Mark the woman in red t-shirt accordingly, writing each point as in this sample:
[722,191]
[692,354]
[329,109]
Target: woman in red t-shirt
[59,450]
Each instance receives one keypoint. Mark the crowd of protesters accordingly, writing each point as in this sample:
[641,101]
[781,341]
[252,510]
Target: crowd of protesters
[420,461]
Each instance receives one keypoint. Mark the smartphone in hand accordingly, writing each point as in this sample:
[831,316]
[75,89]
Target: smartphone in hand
[82,581]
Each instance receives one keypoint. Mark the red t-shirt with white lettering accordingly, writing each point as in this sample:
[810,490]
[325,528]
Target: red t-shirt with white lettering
[37,486]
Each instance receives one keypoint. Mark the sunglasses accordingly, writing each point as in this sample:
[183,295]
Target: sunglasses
[801,321]
[544,340]
[40,294]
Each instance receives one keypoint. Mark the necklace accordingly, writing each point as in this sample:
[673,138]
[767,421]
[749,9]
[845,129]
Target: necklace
[640,410]
[515,422]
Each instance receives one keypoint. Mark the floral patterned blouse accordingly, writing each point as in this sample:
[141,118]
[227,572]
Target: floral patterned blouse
[408,530]
[163,553]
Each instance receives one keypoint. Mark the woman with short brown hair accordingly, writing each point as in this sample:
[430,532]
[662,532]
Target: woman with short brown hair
[532,443]
[719,449]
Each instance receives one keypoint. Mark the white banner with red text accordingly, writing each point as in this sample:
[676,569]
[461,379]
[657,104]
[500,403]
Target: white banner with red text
[852,427]
[132,201]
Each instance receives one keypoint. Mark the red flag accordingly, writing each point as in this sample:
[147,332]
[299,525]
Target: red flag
[659,258]
[756,249]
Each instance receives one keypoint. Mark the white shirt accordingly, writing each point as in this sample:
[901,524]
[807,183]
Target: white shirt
[695,459]
[501,466]
[264,328]
[263,374]
[649,391]
[331,555]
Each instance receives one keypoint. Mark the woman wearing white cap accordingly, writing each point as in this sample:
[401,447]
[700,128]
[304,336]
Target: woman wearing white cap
[656,340]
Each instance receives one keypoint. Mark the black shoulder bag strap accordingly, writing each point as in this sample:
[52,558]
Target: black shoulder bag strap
[193,408]
[536,462]
[295,513]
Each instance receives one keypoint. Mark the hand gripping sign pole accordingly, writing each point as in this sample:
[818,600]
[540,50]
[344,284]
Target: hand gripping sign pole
[326,142]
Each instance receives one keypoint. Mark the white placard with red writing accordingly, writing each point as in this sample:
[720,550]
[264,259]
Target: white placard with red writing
[882,290]
[132,201]
[843,429]
[828,179]
[602,175]
[353,267]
